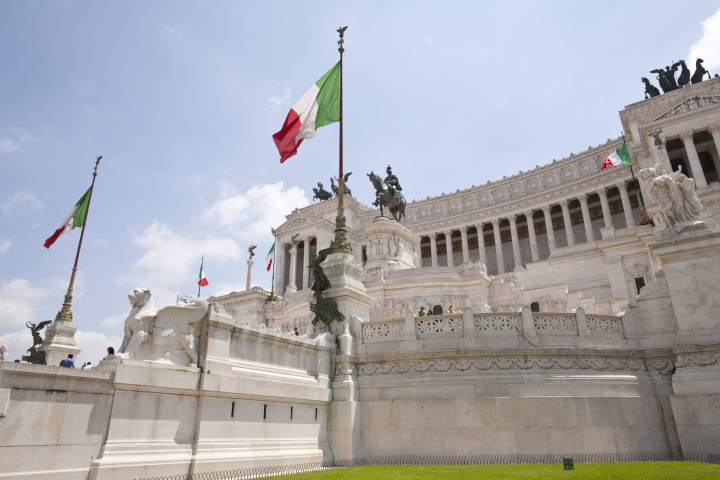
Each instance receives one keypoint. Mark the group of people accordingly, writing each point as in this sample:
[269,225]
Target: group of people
[70,363]
[422,312]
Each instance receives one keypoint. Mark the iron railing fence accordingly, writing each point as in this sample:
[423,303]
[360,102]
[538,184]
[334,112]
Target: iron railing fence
[282,470]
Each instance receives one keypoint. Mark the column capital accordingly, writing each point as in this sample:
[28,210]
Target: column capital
[622,186]
[545,209]
[495,222]
[582,197]
[432,235]
[601,191]
[512,217]
[686,135]
[528,215]
[447,233]
[564,202]
[463,229]
[479,227]
[714,128]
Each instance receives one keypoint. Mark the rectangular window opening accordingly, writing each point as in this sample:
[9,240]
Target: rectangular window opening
[639,284]
[291,412]
[316,414]
[264,411]
[232,410]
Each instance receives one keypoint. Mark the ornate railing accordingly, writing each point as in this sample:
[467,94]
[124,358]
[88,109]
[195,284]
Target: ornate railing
[604,324]
[439,324]
[555,322]
[392,328]
[498,322]
[557,458]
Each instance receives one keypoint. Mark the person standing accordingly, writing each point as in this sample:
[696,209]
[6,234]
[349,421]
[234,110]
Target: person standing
[67,362]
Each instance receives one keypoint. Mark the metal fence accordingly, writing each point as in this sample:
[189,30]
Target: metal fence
[280,470]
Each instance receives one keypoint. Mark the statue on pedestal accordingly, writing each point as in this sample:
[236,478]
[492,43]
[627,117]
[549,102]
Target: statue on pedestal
[324,309]
[35,357]
[675,193]
[387,194]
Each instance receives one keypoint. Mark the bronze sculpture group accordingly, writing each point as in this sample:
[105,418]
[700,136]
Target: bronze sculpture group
[387,194]
[322,194]
[668,82]
[35,357]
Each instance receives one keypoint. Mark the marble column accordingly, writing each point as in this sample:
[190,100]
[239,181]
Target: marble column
[306,262]
[433,249]
[248,284]
[448,248]
[627,208]
[498,246]
[515,242]
[481,244]
[291,287]
[466,250]
[419,253]
[549,228]
[693,160]
[280,269]
[531,233]
[586,218]
[715,132]
[660,155]
[607,215]
[568,223]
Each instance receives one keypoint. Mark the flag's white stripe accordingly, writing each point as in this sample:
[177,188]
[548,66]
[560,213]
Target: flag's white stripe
[68,222]
[615,159]
[307,109]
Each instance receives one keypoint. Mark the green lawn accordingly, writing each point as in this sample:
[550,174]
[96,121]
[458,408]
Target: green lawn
[585,471]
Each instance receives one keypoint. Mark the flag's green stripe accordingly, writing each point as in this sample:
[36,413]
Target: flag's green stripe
[200,275]
[624,155]
[328,98]
[82,204]
[271,249]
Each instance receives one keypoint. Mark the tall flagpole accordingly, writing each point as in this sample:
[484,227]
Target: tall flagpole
[341,244]
[644,219]
[202,263]
[65,313]
[272,285]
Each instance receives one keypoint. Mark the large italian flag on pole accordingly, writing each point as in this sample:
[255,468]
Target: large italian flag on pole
[76,218]
[269,257]
[618,157]
[203,281]
[318,107]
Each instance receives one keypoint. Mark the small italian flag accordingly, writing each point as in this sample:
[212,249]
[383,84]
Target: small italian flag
[318,107]
[618,157]
[76,218]
[203,281]
[269,257]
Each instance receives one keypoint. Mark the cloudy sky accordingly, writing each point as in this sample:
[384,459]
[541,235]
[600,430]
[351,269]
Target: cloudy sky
[181,99]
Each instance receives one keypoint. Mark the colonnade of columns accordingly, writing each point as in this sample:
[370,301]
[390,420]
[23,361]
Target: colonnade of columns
[532,235]
[694,165]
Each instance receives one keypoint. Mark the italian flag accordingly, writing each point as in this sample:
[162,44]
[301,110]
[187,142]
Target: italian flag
[76,218]
[269,257]
[618,157]
[318,107]
[203,281]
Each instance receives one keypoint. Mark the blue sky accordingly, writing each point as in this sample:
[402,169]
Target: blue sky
[181,99]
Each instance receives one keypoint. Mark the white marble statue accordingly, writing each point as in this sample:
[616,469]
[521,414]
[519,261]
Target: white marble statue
[3,351]
[160,331]
[675,193]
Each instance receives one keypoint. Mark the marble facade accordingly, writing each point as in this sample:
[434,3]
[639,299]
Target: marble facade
[622,354]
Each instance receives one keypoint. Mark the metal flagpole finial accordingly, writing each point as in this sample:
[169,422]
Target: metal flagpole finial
[96,165]
[341,42]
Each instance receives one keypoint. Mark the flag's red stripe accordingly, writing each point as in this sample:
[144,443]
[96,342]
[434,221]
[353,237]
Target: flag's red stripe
[269,264]
[54,236]
[285,138]
[203,282]
[606,164]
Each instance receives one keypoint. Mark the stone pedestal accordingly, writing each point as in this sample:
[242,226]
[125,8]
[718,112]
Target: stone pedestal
[390,246]
[59,342]
[347,290]
[249,275]
[691,262]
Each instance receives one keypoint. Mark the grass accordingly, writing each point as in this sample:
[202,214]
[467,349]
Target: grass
[584,471]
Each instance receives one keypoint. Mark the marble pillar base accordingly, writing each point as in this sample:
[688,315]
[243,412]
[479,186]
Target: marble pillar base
[59,342]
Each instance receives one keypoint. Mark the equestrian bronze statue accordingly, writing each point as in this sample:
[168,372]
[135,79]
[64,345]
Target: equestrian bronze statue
[387,194]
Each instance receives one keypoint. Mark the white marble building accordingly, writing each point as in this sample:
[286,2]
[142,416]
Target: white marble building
[621,356]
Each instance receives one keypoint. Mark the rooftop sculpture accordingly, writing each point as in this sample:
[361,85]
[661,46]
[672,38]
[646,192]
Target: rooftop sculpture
[667,81]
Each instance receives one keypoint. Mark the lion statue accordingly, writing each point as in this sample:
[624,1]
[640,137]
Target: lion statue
[162,330]
[139,322]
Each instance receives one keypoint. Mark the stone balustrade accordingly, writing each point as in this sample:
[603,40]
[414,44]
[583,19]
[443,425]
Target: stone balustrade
[492,324]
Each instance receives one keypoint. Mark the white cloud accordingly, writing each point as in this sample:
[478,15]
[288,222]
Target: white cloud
[708,47]
[250,215]
[116,320]
[4,246]
[8,146]
[27,138]
[19,300]
[93,345]
[225,288]
[22,198]
[280,98]
[171,259]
